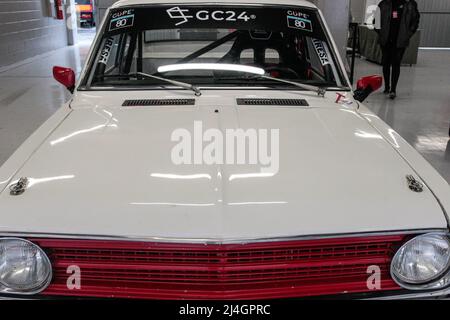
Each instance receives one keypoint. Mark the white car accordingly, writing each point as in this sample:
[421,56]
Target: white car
[96,203]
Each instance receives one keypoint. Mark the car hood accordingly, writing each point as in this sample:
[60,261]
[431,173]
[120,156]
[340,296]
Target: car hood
[107,170]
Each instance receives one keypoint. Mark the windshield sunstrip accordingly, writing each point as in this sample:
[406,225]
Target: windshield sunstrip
[144,39]
[300,19]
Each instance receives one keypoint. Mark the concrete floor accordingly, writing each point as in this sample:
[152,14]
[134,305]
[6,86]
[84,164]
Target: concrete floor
[421,113]
[29,95]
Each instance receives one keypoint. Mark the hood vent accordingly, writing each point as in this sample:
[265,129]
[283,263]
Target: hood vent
[272,102]
[158,102]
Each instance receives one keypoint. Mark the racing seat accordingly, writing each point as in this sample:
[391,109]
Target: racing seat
[289,64]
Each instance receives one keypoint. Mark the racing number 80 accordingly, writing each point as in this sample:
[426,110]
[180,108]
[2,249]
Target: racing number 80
[300,24]
[121,23]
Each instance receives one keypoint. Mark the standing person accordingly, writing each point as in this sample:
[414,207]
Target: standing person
[397,21]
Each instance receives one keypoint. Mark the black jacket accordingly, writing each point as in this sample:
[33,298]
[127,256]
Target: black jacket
[408,25]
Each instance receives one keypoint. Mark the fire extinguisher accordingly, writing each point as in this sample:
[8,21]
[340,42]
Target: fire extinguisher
[59,9]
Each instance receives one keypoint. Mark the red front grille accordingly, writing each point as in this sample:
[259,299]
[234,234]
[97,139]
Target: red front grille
[230,271]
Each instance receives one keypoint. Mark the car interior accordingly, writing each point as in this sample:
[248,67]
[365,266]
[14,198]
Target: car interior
[281,54]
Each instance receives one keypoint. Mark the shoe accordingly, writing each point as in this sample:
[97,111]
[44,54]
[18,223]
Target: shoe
[392,95]
[386,91]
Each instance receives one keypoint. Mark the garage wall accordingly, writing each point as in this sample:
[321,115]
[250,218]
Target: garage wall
[27,29]
[435,23]
[101,6]
[358,9]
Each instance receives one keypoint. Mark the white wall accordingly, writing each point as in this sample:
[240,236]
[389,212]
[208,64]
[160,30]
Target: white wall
[360,12]
[370,8]
[27,29]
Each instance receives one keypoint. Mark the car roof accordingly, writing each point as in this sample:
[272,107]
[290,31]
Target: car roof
[296,3]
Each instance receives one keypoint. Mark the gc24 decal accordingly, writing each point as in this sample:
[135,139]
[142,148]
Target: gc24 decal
[184,15]
[299,20]
[321,51]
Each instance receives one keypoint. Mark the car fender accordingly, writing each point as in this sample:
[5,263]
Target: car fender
[26,150]
[435,182]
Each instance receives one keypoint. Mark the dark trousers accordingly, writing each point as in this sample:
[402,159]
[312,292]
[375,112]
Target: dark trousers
[392,59]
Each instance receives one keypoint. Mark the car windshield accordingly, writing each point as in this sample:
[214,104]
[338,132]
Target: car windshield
[177,42]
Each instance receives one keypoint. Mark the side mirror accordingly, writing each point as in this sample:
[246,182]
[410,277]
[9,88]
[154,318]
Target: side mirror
[65,76]
[366,86]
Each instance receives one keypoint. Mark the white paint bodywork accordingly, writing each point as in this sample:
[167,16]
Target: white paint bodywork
[97,168]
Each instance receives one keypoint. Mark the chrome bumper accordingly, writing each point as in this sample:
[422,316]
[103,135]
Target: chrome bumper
[440,294]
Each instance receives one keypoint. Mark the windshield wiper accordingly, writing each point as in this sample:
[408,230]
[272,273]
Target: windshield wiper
[183,85]
[320,91]
[258,73]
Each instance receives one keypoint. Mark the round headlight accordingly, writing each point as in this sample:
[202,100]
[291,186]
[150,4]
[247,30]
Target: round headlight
[421,260]
[24,267]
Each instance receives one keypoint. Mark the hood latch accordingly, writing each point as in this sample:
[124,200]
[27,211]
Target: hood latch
[414,184]
[19,187]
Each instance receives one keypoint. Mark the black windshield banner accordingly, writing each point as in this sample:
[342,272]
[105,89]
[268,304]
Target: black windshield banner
[269,18]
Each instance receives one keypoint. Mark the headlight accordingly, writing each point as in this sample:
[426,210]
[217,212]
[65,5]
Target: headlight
[24,267]
[423,262]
